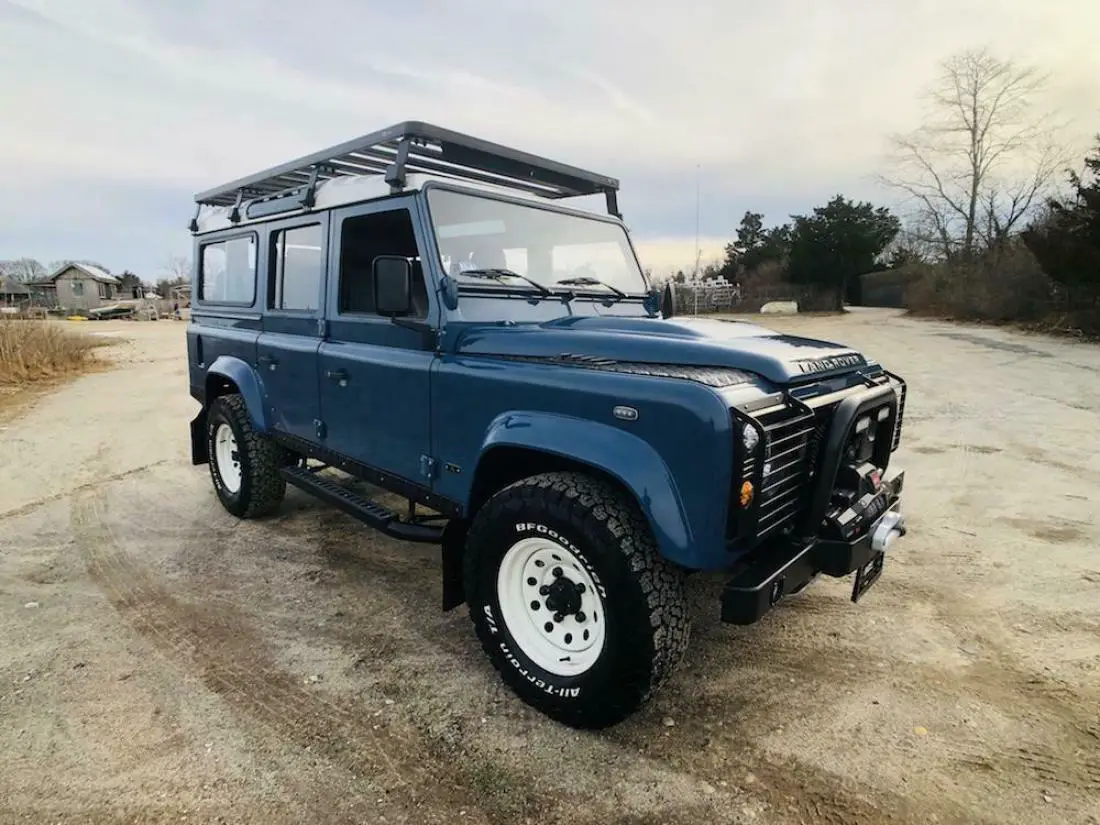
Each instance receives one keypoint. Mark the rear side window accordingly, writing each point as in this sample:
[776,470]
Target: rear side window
[228,274]
[296,266]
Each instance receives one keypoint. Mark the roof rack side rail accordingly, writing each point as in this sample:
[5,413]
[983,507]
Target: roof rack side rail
[413,146]
[302,197]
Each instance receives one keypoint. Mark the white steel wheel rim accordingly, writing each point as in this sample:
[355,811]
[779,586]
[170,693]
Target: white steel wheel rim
[228,457]
[551,606]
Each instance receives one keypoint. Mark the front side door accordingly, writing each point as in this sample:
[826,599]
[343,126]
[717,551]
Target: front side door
[294,262]
[374,372]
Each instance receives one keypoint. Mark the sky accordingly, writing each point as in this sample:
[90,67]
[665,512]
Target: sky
[114,113]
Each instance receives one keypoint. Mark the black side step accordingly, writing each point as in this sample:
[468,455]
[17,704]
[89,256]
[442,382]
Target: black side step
[368,512]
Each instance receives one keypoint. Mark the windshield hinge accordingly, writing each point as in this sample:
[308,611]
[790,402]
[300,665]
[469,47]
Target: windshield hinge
[322,328]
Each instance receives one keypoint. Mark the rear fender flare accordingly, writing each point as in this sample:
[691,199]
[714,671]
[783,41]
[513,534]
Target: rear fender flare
[248,384]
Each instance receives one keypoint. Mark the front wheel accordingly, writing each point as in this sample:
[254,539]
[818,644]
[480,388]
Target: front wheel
[571,600]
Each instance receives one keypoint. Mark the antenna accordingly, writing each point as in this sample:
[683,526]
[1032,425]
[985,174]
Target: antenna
[695,271]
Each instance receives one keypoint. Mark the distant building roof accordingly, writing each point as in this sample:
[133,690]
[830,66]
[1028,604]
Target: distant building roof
[93,272]
[10,286]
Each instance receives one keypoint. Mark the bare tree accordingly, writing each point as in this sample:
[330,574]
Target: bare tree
[178,268]
[984,158]
[23,269]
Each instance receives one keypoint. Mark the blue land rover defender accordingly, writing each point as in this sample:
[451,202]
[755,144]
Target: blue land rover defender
[417,310]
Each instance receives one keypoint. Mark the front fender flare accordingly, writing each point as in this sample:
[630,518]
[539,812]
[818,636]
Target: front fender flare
[248,384]
[622,455]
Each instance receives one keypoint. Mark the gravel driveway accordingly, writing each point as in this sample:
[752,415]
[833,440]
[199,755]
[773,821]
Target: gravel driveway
[162,662]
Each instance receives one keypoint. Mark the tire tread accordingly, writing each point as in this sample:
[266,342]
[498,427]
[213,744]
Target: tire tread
[267,487]
[582,498]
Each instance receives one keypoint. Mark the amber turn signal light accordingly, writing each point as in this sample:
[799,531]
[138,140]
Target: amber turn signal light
[746,494]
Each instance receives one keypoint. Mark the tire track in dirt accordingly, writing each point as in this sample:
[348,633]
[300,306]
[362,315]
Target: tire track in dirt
[1063,719]
[997,678]
[33,505]
[515,786]
[412,662]
[792,789]
[226,655]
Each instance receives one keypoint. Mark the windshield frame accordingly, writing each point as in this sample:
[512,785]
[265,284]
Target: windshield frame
[594,291]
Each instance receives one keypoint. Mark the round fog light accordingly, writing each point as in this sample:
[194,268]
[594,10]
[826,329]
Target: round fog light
[749,437]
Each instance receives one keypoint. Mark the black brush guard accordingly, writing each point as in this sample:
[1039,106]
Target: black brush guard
[785,567]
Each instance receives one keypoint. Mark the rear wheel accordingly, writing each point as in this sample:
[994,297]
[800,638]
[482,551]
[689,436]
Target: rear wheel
[571,600]
[244,464]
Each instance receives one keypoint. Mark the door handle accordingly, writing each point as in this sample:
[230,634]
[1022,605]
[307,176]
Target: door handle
[338,375]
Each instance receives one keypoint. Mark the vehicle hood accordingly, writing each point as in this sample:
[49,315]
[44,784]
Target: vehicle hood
[683,341]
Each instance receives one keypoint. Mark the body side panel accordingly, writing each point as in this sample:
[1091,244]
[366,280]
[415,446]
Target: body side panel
[675,457]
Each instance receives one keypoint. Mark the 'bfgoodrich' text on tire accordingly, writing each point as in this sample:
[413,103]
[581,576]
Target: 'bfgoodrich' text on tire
[608,543]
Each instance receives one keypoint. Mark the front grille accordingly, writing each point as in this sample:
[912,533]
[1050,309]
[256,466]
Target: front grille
[900,385]
[788,433]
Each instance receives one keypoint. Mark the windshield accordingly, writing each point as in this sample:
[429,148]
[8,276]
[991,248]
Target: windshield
[483,235]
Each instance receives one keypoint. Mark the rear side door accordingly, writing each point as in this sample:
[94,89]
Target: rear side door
[225,311]
[294,263]
[374,372]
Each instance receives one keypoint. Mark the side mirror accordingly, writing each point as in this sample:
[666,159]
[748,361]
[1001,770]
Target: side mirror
[668,301]
[392,285]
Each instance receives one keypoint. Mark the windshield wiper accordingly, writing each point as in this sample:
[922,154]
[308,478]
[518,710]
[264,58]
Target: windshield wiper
[588,280]
[501,274]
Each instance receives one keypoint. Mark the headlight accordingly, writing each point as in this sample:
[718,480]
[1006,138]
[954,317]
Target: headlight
[749,437]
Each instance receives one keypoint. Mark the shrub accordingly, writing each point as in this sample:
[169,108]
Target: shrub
[770,281]
[1001,287]
[37,350]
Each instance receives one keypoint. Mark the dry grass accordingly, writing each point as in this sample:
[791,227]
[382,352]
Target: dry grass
[39,351]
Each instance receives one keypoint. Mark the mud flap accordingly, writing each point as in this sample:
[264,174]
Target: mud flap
[454,547]
[199,452]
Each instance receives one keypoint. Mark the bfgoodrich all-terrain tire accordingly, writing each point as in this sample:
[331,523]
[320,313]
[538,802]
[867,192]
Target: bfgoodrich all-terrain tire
[570,599]
[244,464]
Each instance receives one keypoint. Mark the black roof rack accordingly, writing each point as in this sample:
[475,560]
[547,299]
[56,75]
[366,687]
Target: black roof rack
[412,147]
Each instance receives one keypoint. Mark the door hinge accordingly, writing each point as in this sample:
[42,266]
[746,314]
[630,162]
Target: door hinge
[427,466]
[322,328]
[322,430]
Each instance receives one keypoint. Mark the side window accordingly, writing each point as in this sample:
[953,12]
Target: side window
[294,280]
[78,288]
[228,271]
[362,239]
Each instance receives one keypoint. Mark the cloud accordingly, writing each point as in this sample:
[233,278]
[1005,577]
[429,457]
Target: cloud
[117,111]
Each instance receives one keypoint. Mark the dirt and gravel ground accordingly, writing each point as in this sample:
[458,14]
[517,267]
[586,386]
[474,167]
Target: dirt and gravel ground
[161,662]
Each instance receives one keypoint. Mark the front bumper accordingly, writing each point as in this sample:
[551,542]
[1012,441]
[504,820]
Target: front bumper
[774,572]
